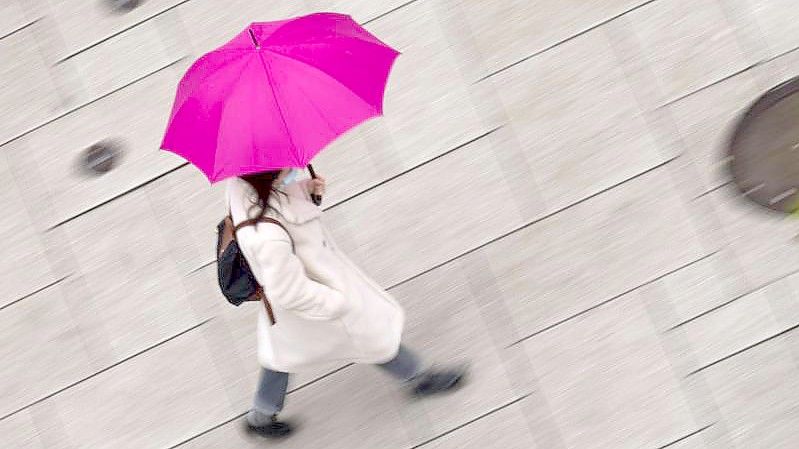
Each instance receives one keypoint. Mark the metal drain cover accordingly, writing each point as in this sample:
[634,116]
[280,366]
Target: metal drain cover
[764,150]
[101,157]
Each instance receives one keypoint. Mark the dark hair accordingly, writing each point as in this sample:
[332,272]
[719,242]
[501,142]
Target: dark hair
[263,183]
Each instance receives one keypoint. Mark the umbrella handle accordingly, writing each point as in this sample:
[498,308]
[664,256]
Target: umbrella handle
[317,199]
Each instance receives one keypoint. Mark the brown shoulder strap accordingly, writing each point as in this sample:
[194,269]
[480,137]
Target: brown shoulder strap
[245,223]
[253,221]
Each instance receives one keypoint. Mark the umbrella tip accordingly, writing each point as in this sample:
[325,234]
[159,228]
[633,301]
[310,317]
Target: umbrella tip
[252,36]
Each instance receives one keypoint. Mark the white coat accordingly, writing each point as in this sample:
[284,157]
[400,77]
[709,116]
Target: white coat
[326,309]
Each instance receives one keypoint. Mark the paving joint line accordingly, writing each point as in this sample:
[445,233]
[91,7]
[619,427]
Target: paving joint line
[538,220]
[611,299]
[241,415]
[473,420]
[711,84]
[737,297]
[118,196]
[380,16]
[741,351]
[723,79]
[668,103]
[17,30]
[422,164]
[563,41]
[780,55]
[89,103]
[685,437]
[714,189]
[117,33]
[107,368]
[320,378]
[201,267]
[207,431]
[37,291]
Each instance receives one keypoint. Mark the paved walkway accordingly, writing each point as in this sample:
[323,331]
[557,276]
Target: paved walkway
[546,195]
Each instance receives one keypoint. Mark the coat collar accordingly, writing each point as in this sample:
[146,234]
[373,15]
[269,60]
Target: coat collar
[292,203]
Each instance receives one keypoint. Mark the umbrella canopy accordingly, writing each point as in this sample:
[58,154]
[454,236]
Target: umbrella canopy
[277,94]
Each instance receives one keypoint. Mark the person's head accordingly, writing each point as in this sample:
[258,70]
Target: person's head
[265,184]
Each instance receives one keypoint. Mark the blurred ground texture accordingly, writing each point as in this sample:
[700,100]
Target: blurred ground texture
[546,196]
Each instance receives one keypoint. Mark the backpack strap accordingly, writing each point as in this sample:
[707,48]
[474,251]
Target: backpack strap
[260,295]
[254,221]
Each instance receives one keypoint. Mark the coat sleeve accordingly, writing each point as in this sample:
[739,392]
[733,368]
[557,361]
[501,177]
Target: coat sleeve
[282,274]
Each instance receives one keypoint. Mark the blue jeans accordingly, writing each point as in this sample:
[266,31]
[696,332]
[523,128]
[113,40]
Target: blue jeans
[273,384]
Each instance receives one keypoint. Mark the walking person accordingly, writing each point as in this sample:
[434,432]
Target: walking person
[323,308]
[272,97]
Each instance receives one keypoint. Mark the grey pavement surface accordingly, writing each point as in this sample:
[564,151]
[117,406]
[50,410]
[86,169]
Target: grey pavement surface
[546,196]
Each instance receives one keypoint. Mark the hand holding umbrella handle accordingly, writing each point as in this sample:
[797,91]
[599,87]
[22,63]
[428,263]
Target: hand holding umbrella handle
[317,199]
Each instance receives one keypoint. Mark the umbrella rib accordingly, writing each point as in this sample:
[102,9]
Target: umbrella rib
[188,86]
[380,45]
[276,51]
[316,108]
[232,88]
[268,70]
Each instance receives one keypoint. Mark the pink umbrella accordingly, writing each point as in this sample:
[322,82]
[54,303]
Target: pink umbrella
[277,94]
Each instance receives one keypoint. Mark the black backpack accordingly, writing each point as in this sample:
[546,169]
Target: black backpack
[236,280]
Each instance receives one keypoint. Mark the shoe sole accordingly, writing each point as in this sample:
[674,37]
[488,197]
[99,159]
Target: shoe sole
[254,431]
[456,384]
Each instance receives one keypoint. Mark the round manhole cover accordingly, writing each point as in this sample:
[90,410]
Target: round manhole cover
[764,151]
[101,157]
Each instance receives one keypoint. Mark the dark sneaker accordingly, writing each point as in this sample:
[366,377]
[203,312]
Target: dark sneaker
[438,381]
[274,429]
